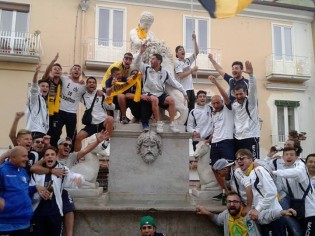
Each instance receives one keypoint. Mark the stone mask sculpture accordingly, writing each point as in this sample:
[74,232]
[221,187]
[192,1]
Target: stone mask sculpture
[149,146]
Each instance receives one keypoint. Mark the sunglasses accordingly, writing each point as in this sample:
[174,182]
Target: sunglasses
[147,227]
[39,142]
[241,158]
[67,145]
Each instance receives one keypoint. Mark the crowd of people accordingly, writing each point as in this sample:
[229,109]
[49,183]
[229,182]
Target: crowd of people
[266,196]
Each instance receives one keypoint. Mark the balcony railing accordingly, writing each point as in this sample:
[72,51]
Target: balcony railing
[109,51]
[19,43]
[287,66]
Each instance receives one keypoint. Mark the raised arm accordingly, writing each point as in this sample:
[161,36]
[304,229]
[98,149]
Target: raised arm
[12,133]
[225,96]
[216,66]
[195,44]
[46,76]
[101,136]
[252,90]
[138,61]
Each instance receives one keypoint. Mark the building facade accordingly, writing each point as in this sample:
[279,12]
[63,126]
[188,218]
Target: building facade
[276,37]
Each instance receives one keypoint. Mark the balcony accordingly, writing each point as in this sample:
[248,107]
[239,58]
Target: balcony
[100,54]
[20,47]
[288,68]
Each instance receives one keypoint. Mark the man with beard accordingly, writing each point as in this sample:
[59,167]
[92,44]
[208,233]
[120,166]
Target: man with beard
[233,80]
[37,118]
[149,146]
[234,223]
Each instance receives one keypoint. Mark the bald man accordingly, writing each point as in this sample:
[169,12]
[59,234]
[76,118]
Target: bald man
[15,202]
[222,145]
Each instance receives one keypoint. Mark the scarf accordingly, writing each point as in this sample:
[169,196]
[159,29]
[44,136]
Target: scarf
[53,100]
[121,87]
[250,168]
[142,34]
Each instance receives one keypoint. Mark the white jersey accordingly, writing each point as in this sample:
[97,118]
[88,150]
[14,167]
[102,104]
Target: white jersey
[37,118]
[99,108]
[154,81]
[264,190]
[223,124]
[200,120]
[296,175]
[71,94]
[184,66]
[246,118]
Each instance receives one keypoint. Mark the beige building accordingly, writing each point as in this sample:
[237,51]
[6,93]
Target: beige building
[95,33]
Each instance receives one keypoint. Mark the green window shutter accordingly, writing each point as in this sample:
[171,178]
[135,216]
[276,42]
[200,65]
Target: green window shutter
[286,103]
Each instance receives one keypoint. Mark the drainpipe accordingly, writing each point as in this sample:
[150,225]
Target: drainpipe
[84,5]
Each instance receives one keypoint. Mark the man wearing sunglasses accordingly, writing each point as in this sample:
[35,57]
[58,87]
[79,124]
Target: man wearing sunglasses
[148,227]
[69,159]
[264,192]
[236,224]
[123,66]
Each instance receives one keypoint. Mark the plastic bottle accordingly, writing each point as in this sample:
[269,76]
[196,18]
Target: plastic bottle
[223,197]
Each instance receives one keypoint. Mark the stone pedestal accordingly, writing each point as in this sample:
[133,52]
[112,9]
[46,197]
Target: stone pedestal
[129,174]
[206,195]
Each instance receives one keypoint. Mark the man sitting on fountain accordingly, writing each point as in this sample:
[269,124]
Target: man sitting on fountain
[148,227]
[154,78]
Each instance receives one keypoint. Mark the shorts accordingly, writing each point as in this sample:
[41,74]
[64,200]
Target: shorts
[252,144]
[162,100]
[223,149]
[68,205]
[93,129]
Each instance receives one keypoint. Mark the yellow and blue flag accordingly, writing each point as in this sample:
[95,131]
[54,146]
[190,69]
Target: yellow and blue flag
[224,8]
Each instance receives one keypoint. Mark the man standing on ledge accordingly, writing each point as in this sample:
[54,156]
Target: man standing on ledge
[184,71]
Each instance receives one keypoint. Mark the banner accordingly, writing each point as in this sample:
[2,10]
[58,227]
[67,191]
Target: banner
[224,8]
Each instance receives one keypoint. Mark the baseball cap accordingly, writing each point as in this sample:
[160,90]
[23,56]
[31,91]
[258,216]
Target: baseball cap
[221,164]
[147,220]
[62,140]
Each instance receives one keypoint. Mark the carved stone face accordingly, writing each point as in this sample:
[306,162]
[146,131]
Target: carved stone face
[149,146]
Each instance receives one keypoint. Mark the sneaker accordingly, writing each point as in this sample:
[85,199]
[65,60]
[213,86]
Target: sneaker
[173,128]
[218,197]
[145,127]
[124,120]
[105,144]
[159,127]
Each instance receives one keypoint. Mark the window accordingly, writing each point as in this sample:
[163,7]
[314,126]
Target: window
[282,42]
[13,24]
[111,27]
[286,118]
[201,28]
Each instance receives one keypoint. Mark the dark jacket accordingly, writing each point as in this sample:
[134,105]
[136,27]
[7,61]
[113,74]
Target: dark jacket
[15,190]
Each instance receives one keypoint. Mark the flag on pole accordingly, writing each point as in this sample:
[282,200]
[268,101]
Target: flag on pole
[224,8]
